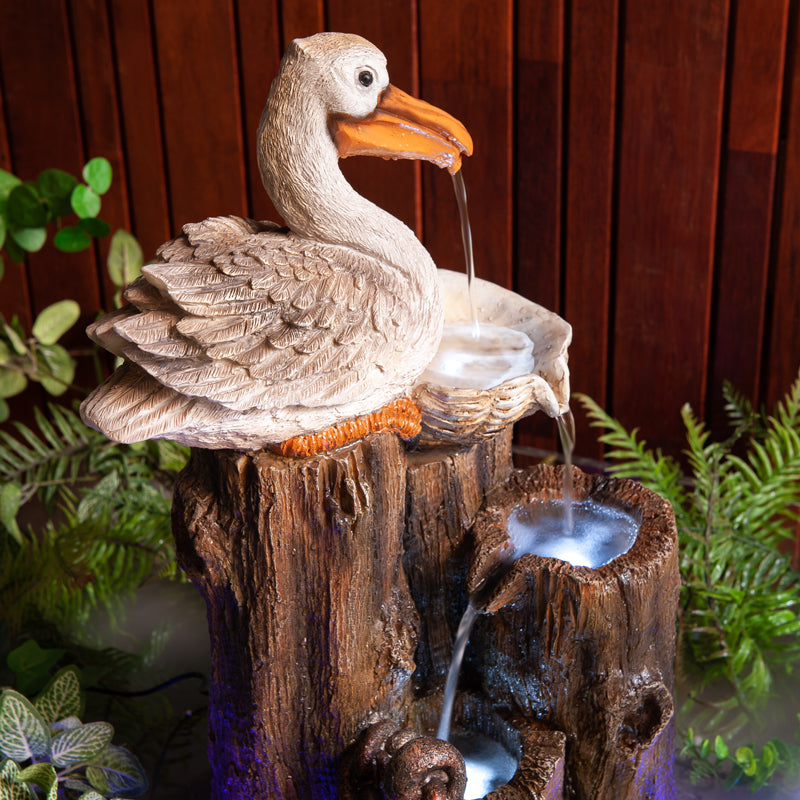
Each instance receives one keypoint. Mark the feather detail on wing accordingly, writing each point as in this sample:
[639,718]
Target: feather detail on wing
[251,316]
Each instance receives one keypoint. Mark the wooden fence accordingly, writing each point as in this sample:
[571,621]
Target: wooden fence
[636,167]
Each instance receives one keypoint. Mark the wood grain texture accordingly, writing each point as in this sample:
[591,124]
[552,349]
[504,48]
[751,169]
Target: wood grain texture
[199,90]
[748,189]
[592,54]
[300,18]
[465,68]
[99,103]
[783,354]
[393,185]
[151,221]
[668,172]
[35,48]
[260,50]
[312,626]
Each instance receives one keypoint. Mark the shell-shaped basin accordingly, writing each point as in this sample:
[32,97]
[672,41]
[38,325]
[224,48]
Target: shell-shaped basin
[466,416]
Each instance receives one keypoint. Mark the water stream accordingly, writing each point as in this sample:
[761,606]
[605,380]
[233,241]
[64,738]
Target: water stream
[566,432]
[460,189]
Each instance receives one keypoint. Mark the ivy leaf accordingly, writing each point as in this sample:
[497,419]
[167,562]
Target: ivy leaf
[81,744]
[32,664]
[60,369]
[25,208]
[95,227]
[72,240]
[29,239]
[12,382]
[124,258]
[23,733]
[10,501]
[7,183]
[98,174]
[62,697]
[55,320]
[117,771]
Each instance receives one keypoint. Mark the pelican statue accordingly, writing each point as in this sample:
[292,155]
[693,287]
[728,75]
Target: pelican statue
[245,334]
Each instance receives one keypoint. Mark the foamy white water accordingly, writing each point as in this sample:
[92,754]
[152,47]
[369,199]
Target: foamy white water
[464,362]
[489,764]
[599,533]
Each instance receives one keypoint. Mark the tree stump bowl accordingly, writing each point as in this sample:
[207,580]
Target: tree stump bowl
[589,652]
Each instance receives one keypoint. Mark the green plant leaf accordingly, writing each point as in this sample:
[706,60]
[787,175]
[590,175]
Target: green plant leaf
[56,186]
[7,183]
[124,258]
[81,744]
[95,227]
[25,208]
[2,238]
[12,790]
[98,174]
[10,501]
[85,201]
[117,771]
[15,339]
[72,240]
[23,733]
[61,366]
[15,252]
[43,775]
[12,382]
[61,698]
[32,664]
[5,411]
[29,239]
[55,320]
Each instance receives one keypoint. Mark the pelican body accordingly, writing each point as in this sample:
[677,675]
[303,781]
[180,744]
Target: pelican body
[245,334]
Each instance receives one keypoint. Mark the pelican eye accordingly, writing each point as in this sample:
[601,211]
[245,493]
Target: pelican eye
[365,77]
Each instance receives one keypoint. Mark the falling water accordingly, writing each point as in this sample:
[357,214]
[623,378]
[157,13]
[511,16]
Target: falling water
[462,636]
[466,240]
[566,432]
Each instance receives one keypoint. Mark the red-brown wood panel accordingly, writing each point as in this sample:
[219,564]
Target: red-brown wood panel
[301,18]
[537,181]
[44,130]
[592,54]
[465,68]
[784,335]
[199,82]
[132,29]
[674,69]
[260,53]
[14,297]
[100,114]
[393,185]
[747,201]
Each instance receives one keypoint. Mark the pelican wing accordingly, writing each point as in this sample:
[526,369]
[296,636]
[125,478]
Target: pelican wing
[249,316]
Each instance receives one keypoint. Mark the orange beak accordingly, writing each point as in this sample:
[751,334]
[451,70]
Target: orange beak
[402,126]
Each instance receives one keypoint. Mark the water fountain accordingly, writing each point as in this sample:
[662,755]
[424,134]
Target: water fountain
[335,561]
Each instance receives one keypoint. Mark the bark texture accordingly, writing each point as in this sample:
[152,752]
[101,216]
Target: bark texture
[312,624]
[589,652]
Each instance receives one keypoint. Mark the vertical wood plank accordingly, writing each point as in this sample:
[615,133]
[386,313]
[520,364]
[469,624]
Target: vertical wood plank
[100,115]
[747,201]
[142,131]
[199,83]
[44,130]
[783,354]
[465,68]
[674,62]
[260,53]
[393,185]
[300,18]
[537,181]
[592,55]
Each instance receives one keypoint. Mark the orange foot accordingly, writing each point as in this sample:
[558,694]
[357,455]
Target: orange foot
[401,417]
